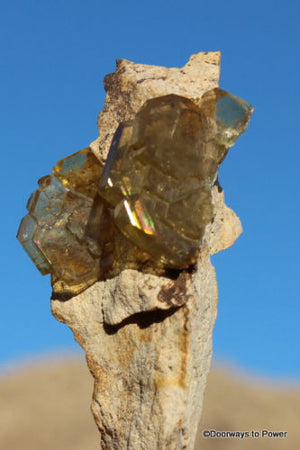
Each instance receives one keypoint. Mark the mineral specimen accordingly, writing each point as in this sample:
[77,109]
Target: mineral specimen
[59,233]
[161,168]
[149,206]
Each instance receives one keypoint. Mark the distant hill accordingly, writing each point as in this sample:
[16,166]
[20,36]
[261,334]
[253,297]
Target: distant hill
[45,406]
[238,403]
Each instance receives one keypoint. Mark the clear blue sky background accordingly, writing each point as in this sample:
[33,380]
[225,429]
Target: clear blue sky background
[54,56]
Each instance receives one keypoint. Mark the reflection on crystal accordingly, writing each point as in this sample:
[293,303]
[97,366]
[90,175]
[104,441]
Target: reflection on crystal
[25,235]
[148,207]
[73,163]
[231,110]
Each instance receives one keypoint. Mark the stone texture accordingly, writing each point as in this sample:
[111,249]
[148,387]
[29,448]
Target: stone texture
[149,358]
[132,84]
[147,338]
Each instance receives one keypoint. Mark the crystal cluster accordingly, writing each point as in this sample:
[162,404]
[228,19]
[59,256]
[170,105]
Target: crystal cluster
[161,167]
[149,205]
[59,233]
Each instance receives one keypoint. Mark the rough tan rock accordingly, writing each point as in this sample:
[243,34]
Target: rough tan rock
[148,339]
[147,368]
[226,227]
[132,84]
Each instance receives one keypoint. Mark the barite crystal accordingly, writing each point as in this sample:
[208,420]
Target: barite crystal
[161,167]
[59,233]
[148,207]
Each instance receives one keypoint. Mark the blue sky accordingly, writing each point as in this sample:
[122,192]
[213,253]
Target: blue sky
[54,56]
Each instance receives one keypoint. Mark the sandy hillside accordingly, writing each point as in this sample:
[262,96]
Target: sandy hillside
[45,406]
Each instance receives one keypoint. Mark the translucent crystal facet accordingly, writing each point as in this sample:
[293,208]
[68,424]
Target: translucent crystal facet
[148,207]
[57,233]
[161,167]
[25,235]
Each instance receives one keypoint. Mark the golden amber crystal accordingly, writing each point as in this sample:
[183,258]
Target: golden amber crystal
[59,233]
[161,168]
[148,207]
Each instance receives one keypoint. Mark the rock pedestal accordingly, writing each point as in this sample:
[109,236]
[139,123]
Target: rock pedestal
[148,338]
